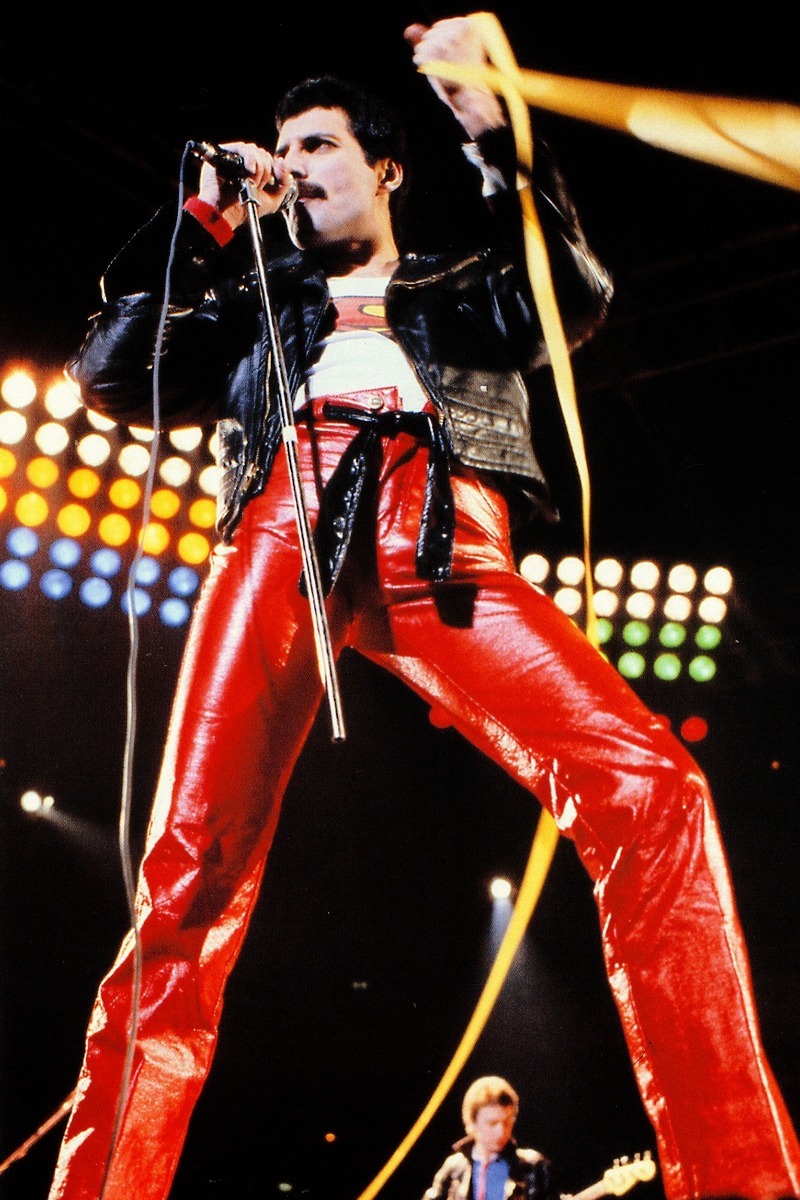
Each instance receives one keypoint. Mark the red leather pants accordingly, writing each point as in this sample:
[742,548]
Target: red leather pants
[523,684]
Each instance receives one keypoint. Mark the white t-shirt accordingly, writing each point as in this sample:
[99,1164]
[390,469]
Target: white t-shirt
[361,353]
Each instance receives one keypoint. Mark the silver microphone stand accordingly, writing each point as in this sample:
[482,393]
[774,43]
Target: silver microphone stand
[319,616]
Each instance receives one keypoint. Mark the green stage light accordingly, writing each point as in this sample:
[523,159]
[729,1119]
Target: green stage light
[672,635]
[636,633]
[667,666]
[708,637]
[631,665]
[702,668]
[605,630]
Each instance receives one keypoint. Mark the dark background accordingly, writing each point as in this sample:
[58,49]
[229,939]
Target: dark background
[372,938]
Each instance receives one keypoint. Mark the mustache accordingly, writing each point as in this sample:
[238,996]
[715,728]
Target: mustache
[310,191]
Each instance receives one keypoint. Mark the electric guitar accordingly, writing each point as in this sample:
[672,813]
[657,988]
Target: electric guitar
[625,1173]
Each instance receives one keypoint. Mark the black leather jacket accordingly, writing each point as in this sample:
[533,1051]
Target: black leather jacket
[467,322]
[531,1175]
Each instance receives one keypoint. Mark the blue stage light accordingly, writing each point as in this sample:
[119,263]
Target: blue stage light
[22,542]
[95,592]
[56,584]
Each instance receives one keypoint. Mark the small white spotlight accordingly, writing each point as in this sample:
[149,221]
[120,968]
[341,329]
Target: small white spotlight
[32,802]
[500,889]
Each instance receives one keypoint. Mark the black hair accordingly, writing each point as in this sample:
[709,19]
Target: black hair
[373,122]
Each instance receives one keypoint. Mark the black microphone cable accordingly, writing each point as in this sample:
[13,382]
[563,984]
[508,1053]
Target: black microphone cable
[131,695]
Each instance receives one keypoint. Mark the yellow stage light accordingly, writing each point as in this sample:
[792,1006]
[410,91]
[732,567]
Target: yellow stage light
[31,509]
[42,472]
[114,529]
[125,493]
[164,503]
[194,548]
[203,513]
[8,463]
[155,538]
[73,520]
[84,483]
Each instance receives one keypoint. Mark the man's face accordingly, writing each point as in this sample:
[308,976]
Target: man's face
[338,191]
[492,1127]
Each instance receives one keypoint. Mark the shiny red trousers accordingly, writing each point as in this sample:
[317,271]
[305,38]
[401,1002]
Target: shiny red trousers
[524,685]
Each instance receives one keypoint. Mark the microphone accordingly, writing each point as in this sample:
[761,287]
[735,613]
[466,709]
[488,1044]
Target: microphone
[230,165]
[226,163]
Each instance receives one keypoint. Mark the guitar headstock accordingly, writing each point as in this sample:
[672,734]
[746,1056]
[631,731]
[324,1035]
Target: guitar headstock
[628,1171]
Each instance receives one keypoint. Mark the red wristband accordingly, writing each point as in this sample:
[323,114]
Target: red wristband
[210,218]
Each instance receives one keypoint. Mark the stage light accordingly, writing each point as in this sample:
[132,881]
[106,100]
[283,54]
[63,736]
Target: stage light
[535,568]
[13,428]
[95,593]
[570,571]
[56,584]
[667,666]
[500,889]
[636,633]
[134,459]
[712,610]
[62,399]
[682,578]
[98,421]
[42,472]
[194,548]
[22,542]
[174,612]
[114,529]
[702,668]
[708,637]
[187,439]
[8,463]
[141,433]
[155,538]
[148,571]
[640,605]
[32,509]
[605,630]
[608,572]
[93,449]
[84,483]
[125,493]
[718,581]
[694,729]
[106,563]
[14,575]
[631,665]
[65,552]
[645,576]
[678,608]
[569,600]
[35,804]
[51,438]
[208,479]
[175,471]
[672,635]
[184,581]
[3,500]
[18,389]
[605,603]
[164,503]
[73,520]
[203,513]
[141,602]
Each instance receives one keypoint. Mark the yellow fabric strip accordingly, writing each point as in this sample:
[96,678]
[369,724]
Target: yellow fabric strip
[760,138]
[545,840]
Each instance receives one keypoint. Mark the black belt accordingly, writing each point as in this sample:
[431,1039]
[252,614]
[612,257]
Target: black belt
[361,461]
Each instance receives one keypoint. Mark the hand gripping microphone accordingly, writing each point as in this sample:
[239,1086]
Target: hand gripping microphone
[230,165]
